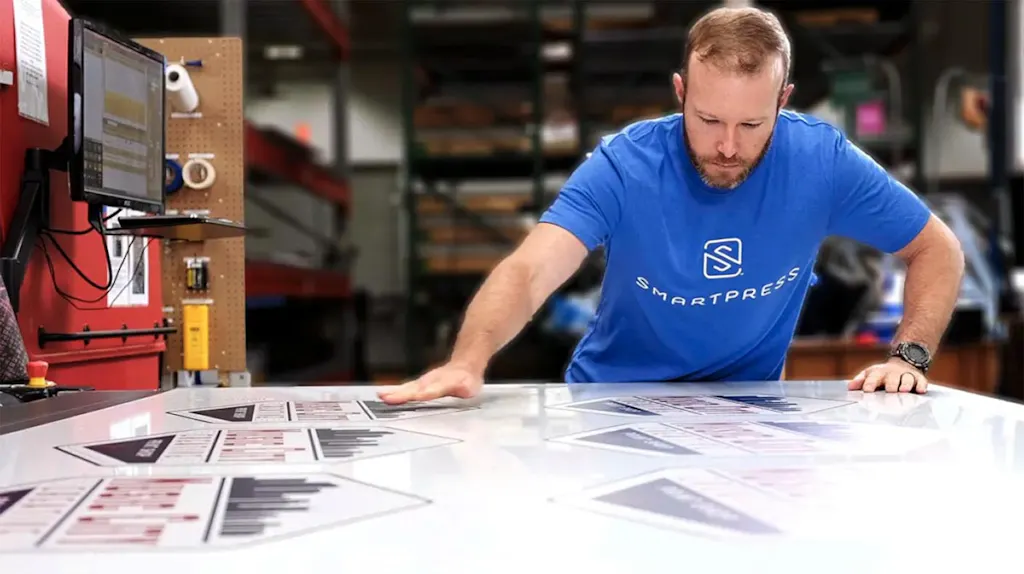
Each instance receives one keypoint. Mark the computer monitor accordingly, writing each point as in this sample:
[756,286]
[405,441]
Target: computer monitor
[115,120]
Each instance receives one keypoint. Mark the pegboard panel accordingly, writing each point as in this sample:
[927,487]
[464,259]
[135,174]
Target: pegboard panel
[215,131]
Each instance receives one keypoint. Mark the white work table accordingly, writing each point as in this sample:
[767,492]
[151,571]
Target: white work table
[738,478]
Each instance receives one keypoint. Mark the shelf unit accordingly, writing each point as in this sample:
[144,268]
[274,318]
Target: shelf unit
[315,298]
[490,135]
[270,153]
[858,55]
[272,156]
[277,159]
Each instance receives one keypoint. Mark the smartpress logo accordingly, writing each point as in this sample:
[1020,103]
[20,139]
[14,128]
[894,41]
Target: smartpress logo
[723,258]
[705,299]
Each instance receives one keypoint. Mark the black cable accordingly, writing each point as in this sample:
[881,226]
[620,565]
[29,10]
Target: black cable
[81,231]
[76,268]
[71,298]
[67,296]
[93,226]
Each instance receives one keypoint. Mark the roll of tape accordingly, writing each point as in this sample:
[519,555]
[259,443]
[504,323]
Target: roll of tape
[179,86]
[173,178]
[199,173]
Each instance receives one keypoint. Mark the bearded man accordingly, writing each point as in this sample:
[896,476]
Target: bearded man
[711,219]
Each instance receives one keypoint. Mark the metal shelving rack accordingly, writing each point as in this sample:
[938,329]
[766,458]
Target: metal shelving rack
[477,165]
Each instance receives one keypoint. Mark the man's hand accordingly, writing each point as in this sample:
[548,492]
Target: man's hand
[449,380]
[893,376]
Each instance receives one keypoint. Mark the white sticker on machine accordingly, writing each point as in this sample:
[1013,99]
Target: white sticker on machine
[30,61]
[129,263]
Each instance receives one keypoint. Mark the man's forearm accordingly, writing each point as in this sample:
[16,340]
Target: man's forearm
[932,286]
[496,314]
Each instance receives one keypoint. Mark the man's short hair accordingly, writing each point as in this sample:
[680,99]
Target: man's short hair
[738,40]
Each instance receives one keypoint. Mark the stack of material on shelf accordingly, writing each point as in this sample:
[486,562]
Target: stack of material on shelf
[836,17]
[489,223]
[626,113]
[560,132]
[459,128]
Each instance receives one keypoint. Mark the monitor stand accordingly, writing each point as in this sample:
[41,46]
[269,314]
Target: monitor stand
[31,215]
[182,227]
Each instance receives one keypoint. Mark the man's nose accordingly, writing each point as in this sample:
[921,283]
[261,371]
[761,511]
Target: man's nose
[727,147]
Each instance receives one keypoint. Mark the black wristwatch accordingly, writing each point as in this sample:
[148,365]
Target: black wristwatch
[915,354]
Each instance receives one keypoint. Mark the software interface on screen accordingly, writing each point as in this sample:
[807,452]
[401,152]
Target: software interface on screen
[123,120]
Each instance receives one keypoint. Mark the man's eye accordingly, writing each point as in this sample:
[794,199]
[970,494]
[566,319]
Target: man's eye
[751,126]
[709,122]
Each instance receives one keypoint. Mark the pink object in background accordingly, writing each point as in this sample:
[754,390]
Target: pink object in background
[871,118]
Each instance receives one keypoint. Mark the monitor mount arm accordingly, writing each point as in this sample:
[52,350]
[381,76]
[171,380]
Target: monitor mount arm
[31,216]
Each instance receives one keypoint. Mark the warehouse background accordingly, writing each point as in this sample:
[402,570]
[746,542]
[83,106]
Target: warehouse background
[447,126]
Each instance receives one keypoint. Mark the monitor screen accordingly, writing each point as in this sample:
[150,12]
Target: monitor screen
[120,129]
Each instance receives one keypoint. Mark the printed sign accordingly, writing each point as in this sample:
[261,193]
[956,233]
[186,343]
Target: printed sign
[255,446]
[755,438]
[835,502]
[722,405]
[183,512]
[281,412]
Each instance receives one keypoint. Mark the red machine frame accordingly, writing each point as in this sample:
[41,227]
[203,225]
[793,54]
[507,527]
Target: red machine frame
[108,363]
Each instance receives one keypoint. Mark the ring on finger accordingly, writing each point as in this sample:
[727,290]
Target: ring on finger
[913,378]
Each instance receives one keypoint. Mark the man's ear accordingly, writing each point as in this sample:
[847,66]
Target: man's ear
[784,99]
[679,86]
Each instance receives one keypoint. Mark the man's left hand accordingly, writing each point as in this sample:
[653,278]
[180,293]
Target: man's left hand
[893,376]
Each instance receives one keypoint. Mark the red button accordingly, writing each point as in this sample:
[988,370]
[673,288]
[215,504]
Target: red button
[37,369]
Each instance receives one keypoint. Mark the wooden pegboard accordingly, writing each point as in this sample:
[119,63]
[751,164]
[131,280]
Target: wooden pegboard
[218,131]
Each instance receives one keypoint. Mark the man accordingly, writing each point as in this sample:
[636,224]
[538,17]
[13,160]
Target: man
[711,220]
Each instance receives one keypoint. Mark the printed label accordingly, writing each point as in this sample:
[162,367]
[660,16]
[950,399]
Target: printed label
[255,445]
[183,512]
[284,412]
[705,405]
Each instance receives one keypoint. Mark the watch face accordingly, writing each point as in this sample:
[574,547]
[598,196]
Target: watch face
[916,353]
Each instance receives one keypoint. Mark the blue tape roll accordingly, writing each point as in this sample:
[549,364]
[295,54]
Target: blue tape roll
[177,180]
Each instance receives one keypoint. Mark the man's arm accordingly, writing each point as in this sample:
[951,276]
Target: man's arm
[935,268]
[514,291]
[582,218]
[872,207]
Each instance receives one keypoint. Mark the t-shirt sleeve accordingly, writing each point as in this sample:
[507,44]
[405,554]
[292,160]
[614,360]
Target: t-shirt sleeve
[589,205]
[869,205]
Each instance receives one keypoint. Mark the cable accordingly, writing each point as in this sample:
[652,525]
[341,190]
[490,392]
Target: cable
[76,268]
[71,298]
[145,250]
[94,226]
[80,231]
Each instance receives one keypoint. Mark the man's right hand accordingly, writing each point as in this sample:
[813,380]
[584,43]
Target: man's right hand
[449,380]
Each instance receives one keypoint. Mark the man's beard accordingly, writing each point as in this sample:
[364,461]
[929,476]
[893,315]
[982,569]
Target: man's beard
[705,176]
[717,182]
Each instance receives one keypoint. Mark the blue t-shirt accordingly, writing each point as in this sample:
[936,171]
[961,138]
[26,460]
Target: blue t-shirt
[704,284]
